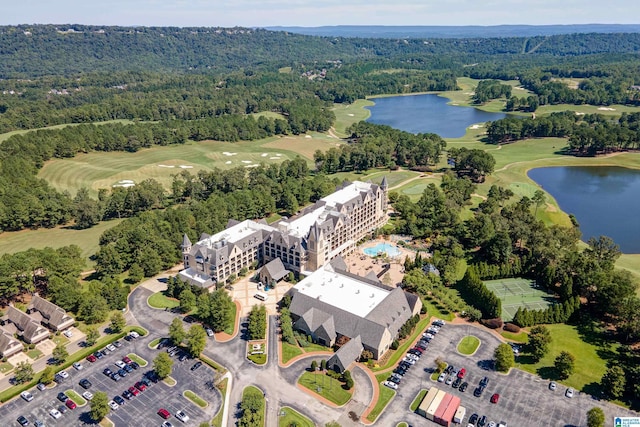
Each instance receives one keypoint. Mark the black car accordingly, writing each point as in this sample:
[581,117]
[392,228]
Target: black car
[473,419]
[478,391]
[62,397]
[127,338]
[464,386]
[145,381]
[128,368]
[482,421]
[85,383]
[23,421]
[107,372]
[405,365]
[62,409]
[183,357]
[449,369]
[134,365]
[416,352]
[119,400]
[484,382]
[399,371]
[127,394]
[196,365]
[395,380]
[122,373]
[153,377]
[457,383]
[115,377]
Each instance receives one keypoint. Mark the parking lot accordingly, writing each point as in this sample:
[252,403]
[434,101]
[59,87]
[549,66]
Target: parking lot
[525,399]
[140,410]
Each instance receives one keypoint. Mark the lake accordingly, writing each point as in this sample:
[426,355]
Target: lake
[604,199]
[428,113]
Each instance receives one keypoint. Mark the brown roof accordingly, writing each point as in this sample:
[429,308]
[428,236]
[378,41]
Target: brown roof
[30,330]
[52,315]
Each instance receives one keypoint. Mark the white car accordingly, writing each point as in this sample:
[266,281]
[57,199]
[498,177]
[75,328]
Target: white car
[409,361]
[413,356]
[391,385]
[492,424]
[427,335]
[449,380]
[87,395]
[209,332]
[68,333]
[502,424]
[26,396]
[442,377]
[55,413]
[182,416]
[134,334]
[111,347]
[113,405]
[569,392]
[553,386]
[120,364]
[78,366]
[63,374]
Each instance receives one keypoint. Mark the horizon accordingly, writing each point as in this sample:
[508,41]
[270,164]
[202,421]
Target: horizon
[301,13]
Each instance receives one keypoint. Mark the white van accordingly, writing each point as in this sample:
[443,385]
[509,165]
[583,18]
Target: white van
[261,296]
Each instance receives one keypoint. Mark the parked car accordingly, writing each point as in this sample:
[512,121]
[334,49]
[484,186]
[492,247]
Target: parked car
[166,424]
[492,424]
[107,372]
[113,405]
[464,386]
[182,416]
[98,354]
[134,334]
[85,383]
[125,359]
[127,395]
[457,383]
[55,413]
[120,364]
[134,365]
[449,380]
[122,373]
[427,336]
[484,382]
[473,419]
[449,369]
[41,386]
[78,366]
[92,358]
[482,421]
[64,374]
[409,360]
[478,391]
[391,385]
[118,344]
[569,392]
[70,404]
[461,373]
[134,391]
[438,322]
[495,398]
[209,332]
[128,368]
[553,386]
[140,386]
[68,333]
[87,395]
[153,377]
[196,365]
[413,356]
[442,377]
[111,347]
[63,409]
[62,397]
[164,413]
[26,396]
[38,423]
[115,377]
[146,382]
[119,400]
[23,421]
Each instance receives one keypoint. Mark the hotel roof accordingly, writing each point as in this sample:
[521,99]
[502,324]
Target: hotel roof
[234,233]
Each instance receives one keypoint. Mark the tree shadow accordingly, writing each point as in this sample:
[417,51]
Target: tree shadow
[548,373]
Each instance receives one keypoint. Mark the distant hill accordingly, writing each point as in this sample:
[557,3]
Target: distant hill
[448,32]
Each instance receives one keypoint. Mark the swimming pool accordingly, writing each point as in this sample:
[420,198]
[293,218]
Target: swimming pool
[381,249]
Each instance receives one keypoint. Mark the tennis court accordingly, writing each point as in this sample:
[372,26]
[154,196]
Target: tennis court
[518,292]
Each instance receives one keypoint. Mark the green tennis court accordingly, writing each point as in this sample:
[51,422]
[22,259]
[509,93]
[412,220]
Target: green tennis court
[517,292]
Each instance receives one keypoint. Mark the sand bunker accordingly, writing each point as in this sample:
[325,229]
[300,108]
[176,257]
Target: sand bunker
[307,136]
[350,114]
[264,154]
[578,113]
[124,183]
[185,167]
[606,109]
[228,162]
[255,165]
[166,166]
[274,158]
[246,161]
[226,153]
[475,126]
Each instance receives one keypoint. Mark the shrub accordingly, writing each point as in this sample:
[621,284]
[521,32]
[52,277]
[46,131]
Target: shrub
[492,323]
[395,344]
[510,327]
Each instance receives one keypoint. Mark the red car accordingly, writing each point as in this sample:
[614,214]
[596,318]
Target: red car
[140,386]
[91,358]
[461,373]
[134,391]
[126,360]
[70,404]
[495,398]
[164,413]
[418,349]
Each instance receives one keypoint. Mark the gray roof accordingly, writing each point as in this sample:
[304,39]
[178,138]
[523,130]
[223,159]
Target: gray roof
[29,328]
[346,354]
[275,269]
[186,243]
[384,185]
[53,315]
[8,344]
[338,264]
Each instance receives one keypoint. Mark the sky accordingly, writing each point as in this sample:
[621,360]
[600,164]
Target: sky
[313,13]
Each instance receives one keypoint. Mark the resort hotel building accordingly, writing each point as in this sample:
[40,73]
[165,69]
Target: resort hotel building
[302,244]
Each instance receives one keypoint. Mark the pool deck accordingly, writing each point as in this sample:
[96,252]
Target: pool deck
[360,263]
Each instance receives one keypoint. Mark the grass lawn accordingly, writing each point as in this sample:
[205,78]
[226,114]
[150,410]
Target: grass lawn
[434,309]
[348,114]
[400,352]
[106,422]
[327,387]
[139,360]
[521,337]
[589,366]
[60,339]
[468,345]
[87,240]
[229,329]
[159,300]
[169,381]
[416,402]
[290,351]
[153,344]
[386,394]
[217,420]
[258,359]
[5,367]
[34,354]
[75,397]
[195,398]
[293,417]
[402,424]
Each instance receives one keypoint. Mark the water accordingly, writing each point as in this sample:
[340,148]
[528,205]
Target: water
[428,113]
[390,250]
[604,199]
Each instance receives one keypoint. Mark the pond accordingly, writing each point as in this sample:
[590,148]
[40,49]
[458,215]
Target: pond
[604,199]
[427,113]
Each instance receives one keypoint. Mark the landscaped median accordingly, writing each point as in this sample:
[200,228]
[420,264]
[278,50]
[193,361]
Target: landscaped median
[195,398]
[323,385]
[416,402]
[468,345]
[217,420]
[79,400]
[384,397]
[290,417]
[139,360]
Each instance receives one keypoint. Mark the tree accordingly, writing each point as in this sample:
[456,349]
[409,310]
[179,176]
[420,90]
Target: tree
[595,417]
[99,406]
[257,322]
[47,375]
[136,273]
[565,364]
[60,353]
[118,322]
[332,424]
[196,340]
[614,381]
[162,365]
[504,357]
[187,300]
[23,373]
[92,335]
[314,366]
[539,199]
[539,340]
[176,331]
